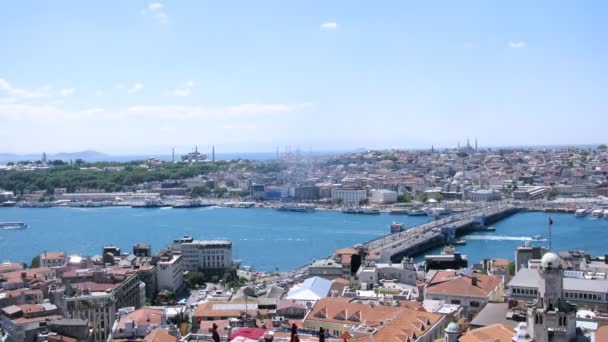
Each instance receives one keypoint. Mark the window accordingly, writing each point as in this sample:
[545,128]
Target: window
[455,301]
[474,304]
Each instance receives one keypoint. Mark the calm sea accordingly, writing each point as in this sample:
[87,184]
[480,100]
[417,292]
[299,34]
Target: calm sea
[264,238]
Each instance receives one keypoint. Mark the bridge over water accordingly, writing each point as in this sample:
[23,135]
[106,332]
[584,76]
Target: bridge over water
[418,239]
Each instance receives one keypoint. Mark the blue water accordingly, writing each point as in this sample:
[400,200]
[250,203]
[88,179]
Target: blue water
[264,238]
[568,232]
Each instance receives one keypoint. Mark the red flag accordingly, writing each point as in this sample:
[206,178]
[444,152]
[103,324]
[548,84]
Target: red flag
[550,221]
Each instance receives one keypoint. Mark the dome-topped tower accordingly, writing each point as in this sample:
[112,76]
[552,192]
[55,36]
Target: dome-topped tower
[550,317]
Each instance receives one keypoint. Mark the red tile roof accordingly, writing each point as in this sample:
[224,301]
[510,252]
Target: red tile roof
[452,283]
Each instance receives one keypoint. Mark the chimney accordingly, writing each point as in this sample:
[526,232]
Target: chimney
[474,281]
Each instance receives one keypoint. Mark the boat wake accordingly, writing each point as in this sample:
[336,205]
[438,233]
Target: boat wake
[502,238]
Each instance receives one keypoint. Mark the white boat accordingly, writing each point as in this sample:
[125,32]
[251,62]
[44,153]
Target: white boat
[581,212]
[597,213]
[606,213]
[12,225]
[537,237]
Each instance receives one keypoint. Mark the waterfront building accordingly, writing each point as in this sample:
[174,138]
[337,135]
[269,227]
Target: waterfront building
[383,196]
[52,259]
[325,268]
[371,274]
[483,195]
[142,250]
[170,273]
[351,197]
[526,253]
[527,193]
[306,193]
[213,256]
[258,191]
[341,315]
[471,290]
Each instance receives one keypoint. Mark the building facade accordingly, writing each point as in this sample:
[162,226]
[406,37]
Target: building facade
[348,196]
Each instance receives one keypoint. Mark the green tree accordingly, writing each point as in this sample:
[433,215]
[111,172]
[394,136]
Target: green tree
[512,268]
[35,262]
[602,147]
[220,192]
[407,197]
[195,278]
[200,191]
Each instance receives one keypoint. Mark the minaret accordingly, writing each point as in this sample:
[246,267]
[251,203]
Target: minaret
[43,157]
[475,144]
[468,145]
[213,153]
[173,154]
[432,149]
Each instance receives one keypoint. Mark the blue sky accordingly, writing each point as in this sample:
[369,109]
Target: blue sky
[144,76]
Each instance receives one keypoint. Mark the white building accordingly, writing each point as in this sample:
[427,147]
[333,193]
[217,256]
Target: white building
[170,273]
[370,275]
[383,196]
[349,196]
[209,255]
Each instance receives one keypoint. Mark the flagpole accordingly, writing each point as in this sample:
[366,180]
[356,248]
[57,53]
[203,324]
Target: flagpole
[550,237]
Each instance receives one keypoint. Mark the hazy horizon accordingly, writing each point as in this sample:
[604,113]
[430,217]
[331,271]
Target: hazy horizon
[142,77]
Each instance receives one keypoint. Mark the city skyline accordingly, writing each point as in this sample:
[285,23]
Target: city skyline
[142,77]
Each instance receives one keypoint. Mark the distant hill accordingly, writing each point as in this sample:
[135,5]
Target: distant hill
[89,155]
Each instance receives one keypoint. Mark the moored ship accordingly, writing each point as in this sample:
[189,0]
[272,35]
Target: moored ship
[397,227]
[361,211]
[195,203]
[581,212]
[151,203]
[300,208]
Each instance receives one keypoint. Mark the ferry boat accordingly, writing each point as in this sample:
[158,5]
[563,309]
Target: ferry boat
[362,211]
[597,213]
[397,227]
[12,225]
[35,205]
[581,212]
[537,237]
[416,212]
[299,208]
[151,204]
[606,213]
[195,203]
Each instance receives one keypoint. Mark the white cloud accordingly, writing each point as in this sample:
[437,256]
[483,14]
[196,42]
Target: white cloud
[329,25]
[135,88]
[157,11]
[517,45]
[11,91]
[155,6]
[99,92]
[185,90]
[67,92]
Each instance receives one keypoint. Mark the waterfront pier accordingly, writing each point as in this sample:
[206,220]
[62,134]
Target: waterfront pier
[418,239]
